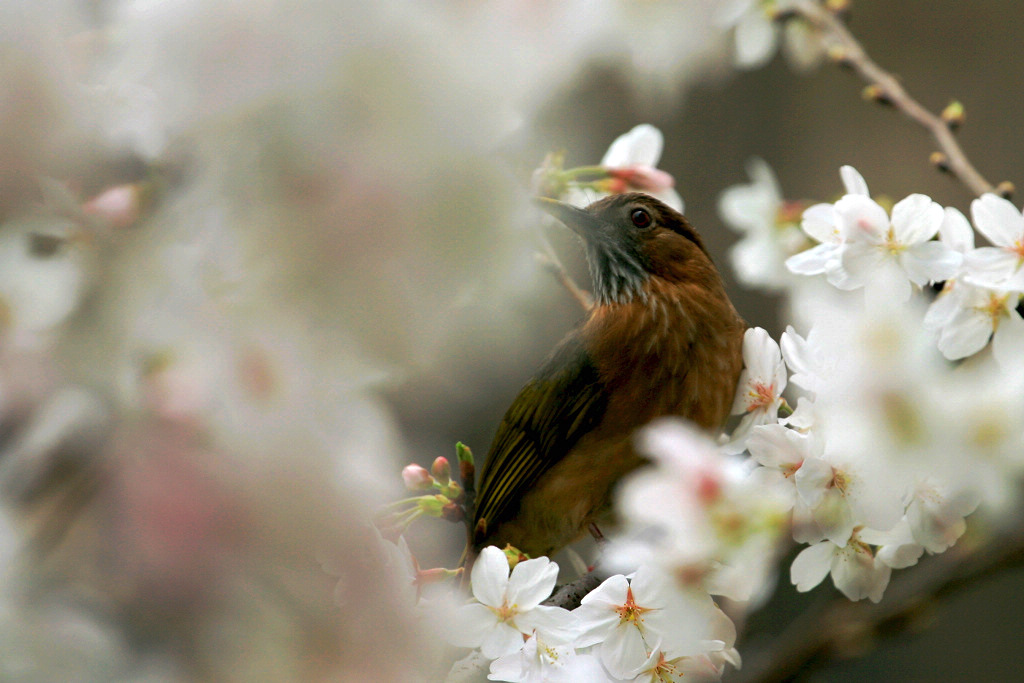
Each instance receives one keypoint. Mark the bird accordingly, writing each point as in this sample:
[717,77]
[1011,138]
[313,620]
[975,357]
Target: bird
[661,339]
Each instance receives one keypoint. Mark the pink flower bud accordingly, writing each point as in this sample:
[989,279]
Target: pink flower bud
[441,470]
[646,178]
[416,478]
[119,206]
[435,575]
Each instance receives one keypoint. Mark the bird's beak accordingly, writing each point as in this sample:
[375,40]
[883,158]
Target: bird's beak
[583,223]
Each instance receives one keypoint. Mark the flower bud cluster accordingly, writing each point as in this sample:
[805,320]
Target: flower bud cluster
[629,165]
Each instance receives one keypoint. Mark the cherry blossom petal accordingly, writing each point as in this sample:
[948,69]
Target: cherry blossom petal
[998,220]
[956,231]
[811,566]
[861,261]
[775,445]
[965,335]
[821,222]
[752,207]
[531,582]
[683,622]
[650,588]
[640,146]
[944,308]
[916,219]
[557,625]
[990,266]
[469,625]
[802,356]
[773,481]
[874,493]
[930,262]
[500,640]
[596,613]
[623,652]
[859,575]
[39,292]
[756,39]
[861,218]
[731,11]
[813,479]
[834,517]
[1008,339]
[756,261]
[897,547]
[489,578]
[610,593]
[760,353]
[887,283]
[813,261]
[512,667]
[805,416]
[853,181]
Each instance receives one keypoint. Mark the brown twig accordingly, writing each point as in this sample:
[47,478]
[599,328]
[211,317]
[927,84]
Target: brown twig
[549,259]
[887,88]
[840,627]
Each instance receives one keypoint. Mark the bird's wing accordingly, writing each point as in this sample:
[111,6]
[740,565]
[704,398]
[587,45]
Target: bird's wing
[564,401]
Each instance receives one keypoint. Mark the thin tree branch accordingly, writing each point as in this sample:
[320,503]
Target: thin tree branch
[889,90]
[549,259]
[571,594]
[839,626]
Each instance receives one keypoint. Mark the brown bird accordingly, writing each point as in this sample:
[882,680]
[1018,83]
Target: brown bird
[661,339]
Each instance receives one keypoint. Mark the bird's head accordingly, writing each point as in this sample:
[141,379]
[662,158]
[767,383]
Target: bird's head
[631,238]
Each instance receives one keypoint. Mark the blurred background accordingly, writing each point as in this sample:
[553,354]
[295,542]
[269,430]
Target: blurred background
[256,256]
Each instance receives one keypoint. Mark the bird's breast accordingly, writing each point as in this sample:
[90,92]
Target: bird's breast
[677,351]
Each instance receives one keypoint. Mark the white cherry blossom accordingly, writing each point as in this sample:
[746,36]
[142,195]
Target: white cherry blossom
[998,266]
[758,35]
[955,231]
[936,511]
[810,360]
[781,452]
[508,607]
[699,515]
[769,224]
[822,224]
[885,255]
[632,161]
[965,315]
[761,384]
[855,569]
[627,619]
[541,662]
[843,489]
[896,547]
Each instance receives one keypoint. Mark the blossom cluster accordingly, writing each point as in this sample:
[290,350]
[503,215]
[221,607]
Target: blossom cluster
[891,446]
[630,628]
[855,434]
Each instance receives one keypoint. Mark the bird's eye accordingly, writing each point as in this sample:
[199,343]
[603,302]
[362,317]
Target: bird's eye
[640,218]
